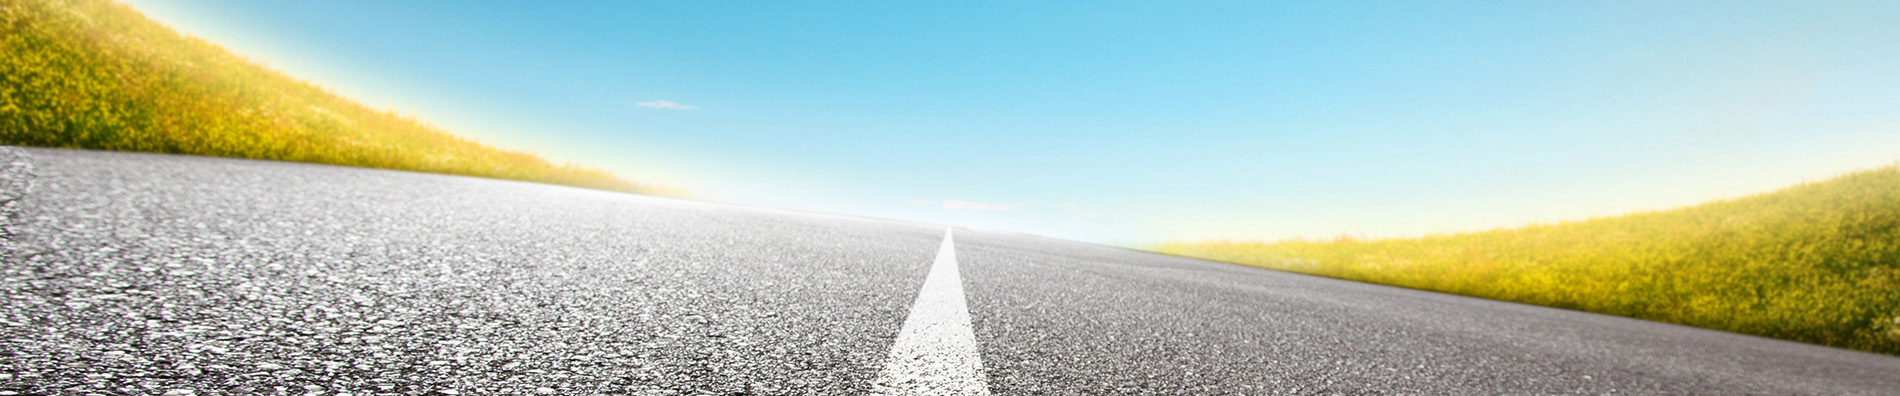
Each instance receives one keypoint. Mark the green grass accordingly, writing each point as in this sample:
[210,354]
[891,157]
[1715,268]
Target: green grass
[96,74]
[1817,263]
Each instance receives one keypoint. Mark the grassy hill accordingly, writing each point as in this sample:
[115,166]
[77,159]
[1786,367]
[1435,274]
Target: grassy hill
[1818,263]
[96,74]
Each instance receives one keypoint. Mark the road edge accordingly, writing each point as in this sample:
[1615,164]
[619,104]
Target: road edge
[16,180]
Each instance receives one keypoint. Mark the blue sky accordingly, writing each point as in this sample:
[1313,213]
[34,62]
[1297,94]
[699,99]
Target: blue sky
[1132,122]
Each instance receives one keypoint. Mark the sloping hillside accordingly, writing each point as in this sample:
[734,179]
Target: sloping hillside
[100,75]
[1819,263]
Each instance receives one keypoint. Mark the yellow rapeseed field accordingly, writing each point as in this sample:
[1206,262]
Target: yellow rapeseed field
[1818,263]
[96,74]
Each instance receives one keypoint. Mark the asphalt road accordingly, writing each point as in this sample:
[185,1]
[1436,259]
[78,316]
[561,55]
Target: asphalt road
[155,274]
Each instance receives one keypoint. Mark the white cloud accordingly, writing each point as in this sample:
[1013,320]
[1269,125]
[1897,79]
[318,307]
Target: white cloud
[664,105]
[1077,209]
[968,205]
[955,204]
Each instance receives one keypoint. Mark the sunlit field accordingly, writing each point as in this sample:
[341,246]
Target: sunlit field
[1819,263]
[99,75]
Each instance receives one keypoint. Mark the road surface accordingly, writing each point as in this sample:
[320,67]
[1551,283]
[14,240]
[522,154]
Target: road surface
[158,274]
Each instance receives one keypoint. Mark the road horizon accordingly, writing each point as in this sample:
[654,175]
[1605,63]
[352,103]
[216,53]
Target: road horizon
[137,273]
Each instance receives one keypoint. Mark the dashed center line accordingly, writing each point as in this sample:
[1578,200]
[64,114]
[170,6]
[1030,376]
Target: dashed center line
[935,352]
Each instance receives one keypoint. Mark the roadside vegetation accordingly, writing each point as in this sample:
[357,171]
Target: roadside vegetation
[96,74]
[1818,263]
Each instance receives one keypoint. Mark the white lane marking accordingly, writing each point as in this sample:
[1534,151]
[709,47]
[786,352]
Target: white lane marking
[935,353]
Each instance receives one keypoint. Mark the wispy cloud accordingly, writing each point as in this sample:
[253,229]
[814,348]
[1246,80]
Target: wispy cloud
[968,205]
[1077,209]
[664,105]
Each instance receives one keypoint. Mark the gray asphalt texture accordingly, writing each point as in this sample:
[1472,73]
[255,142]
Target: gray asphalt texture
[144,274]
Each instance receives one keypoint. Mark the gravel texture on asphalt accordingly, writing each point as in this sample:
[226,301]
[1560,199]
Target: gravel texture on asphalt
[143,274]
[1066,318]
[16,177]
